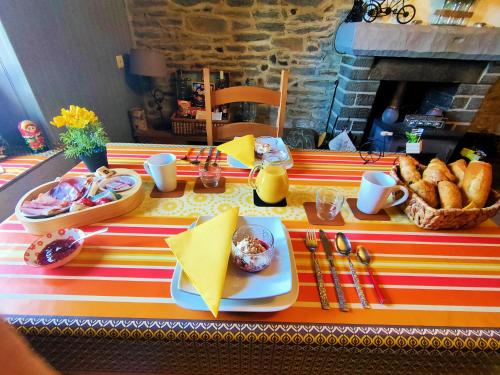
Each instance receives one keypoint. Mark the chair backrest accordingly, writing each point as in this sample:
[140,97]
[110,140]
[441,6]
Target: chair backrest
[245,94]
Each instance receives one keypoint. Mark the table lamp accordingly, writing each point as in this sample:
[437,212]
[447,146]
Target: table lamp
[149,63]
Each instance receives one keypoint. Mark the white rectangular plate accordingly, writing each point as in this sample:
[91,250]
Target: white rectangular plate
[195,302]
[272,281]
[281,146]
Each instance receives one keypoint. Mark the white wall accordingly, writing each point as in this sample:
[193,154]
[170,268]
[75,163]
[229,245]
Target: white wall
[67,50]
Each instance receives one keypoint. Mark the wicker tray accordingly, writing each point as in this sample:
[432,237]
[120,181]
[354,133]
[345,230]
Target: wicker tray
[427,217]
[189,126]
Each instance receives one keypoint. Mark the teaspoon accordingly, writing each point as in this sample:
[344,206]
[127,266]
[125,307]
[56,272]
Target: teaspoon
[344,247]
[196,161]
[364,257]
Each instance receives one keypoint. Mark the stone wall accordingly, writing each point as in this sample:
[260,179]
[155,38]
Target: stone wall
[488,116]
[249,39]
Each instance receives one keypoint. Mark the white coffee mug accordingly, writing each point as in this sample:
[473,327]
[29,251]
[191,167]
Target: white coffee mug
[375,190]
[162,167]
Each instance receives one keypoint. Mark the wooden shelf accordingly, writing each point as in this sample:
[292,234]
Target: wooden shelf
[167,137]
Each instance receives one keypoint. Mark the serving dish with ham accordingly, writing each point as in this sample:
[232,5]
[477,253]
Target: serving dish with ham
[58,199]
[82,200]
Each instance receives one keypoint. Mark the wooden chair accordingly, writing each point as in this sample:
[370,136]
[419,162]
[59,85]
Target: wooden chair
[245,94]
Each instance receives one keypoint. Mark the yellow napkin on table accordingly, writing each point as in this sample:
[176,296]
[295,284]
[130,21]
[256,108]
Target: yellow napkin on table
[241,148]
[203,253]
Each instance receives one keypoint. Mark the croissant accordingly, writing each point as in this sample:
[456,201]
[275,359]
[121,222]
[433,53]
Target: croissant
[449,194]
[437,171]
[458,169]
[477,182]
[408,169]
[427,191]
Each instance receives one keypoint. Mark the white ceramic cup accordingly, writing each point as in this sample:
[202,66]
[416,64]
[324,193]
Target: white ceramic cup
[162,167]
[375,189]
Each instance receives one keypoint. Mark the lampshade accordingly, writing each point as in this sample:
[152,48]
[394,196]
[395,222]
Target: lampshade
[146,62]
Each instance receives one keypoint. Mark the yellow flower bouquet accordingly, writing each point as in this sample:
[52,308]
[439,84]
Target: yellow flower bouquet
[85,137]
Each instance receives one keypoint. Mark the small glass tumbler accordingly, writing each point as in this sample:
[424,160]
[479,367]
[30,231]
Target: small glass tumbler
[210,176]
[329,202]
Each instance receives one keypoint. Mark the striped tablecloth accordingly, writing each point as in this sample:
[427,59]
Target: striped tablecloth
[442,287]
[16,166]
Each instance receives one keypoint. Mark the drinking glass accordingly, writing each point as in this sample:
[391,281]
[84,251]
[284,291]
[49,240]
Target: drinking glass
[210,176]
[329,202]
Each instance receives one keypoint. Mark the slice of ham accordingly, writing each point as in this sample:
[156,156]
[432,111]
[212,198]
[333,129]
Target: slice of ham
[71,189]
[44,205]
[58,199]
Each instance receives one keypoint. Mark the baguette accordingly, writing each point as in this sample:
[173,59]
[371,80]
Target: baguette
[458,169]
[449,195]
[477,183]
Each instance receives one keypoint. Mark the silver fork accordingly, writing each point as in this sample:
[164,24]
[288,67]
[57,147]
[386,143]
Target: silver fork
[312,245]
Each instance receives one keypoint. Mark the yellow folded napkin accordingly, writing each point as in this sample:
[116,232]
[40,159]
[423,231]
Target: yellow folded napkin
[241,148]
[203,253]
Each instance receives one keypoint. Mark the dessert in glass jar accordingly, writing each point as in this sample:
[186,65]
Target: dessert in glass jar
[252,248]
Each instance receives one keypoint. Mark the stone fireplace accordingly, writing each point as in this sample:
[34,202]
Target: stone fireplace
[445,67]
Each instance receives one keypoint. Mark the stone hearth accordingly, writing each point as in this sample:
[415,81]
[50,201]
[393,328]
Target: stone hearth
[458,64]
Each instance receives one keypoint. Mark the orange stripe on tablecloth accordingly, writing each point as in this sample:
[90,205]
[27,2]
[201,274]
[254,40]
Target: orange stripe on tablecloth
[153,241]
[307,293]
[414,249]
[389,226]
[85,287]
[292,315]
[410,296]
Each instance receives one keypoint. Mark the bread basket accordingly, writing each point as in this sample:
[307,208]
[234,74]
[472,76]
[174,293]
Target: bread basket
[427,217]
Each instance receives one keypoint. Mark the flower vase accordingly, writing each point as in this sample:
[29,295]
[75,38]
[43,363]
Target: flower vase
[96,159]
[414,148]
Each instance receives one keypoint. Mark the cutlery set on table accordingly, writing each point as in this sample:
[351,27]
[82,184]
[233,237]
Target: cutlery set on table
[196,160]
[344,248]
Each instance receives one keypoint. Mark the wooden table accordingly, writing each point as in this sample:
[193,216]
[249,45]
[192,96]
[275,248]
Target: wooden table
[111,310]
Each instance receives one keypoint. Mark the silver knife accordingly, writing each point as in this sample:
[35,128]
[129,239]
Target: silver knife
[207,161]
[327,247]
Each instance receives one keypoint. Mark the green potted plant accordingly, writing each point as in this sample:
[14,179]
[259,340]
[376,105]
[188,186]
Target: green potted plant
[413,143]
[84,138]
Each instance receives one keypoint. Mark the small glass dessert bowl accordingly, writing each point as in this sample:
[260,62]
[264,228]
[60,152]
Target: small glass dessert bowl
[252,248]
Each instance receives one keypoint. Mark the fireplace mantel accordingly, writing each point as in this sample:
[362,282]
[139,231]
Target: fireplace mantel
[419,41]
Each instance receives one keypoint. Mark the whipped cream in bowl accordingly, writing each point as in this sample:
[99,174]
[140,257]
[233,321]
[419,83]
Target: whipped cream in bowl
[252,248]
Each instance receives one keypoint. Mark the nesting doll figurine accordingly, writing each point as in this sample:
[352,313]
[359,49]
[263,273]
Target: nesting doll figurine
[32,136]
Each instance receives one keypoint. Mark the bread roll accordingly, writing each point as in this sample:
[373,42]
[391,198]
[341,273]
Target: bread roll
[408,169]
[477,182]
[458,169]
[437,171]
[427,191]
[449,195]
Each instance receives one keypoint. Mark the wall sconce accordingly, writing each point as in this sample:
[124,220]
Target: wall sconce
[149,63]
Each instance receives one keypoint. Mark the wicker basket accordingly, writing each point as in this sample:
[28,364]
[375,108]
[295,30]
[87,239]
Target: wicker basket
[427,217]
[188,126]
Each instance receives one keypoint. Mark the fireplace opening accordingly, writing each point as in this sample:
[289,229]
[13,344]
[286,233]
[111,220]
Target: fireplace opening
[413,98]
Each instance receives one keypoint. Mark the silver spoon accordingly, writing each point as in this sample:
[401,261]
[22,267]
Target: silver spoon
[87,235]
[344,247]
[217,154]
[196,161]
[364,257]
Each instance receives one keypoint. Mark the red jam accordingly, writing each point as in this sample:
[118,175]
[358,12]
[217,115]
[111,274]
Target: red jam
[56,250]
